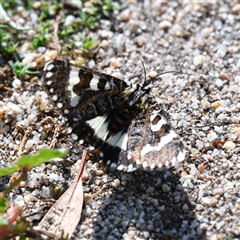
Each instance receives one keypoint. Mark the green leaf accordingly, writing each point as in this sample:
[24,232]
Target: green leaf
[3,204]
[39,41]
[21,70]
[11,47]
[32,161]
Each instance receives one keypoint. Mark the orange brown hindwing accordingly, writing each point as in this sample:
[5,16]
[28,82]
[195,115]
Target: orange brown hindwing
[123,121]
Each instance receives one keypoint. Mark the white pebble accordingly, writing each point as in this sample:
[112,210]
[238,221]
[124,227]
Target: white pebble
[165,24]
[193,170]
[199,144]
[206,201]
[212,136]
[205,104]
[15,108]
[198,60]
[233,88]
[70,19]
[152,74]
[235,119]
[218,82]
[229,145]
[116,183]
[16,83]
[35,193]
[45,192]
[6,140]
[221,50]
[32,118]
[217,191]
[29,144]
[19,200]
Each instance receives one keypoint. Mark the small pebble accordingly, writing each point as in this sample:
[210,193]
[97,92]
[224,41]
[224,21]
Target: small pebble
[206,201]
[152,74]
[131,234]
[185,207]
[17,83]
[115,63]
[224,76]
[69,20]
[165,188]
[212,136]
[201,167]
[214,202]
[217,104]
[198,60]
[125,15]
[165,24]
[229,145]
[37,5]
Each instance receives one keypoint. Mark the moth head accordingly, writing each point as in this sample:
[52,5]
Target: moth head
[137,97]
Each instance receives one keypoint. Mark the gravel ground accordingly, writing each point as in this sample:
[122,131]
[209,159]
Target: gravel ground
[198,201]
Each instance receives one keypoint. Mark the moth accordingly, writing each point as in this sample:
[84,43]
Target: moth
[122,121]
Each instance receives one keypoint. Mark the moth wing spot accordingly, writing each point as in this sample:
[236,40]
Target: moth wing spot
[100,126]
[107,86]
[74,102]
[152,166]
[160,165]
[94,82]
[49,66]
[131,168]
[91,148]
[49,74]
[49,82]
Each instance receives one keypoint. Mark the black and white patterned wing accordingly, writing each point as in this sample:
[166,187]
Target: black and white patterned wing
[82,93]
[86,97]
[150,143]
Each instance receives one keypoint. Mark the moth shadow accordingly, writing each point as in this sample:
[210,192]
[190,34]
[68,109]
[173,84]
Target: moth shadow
[143,205]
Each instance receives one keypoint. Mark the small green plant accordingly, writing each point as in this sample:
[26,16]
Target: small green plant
[4,36]
[88,21]
[7,47]
[102,7]
[21,70]
[66,31]
[44,13]
[10,4]
[47,9]
[86,44]
[45,27]
[93,11]
[39,41]
[10,48]
[89,43]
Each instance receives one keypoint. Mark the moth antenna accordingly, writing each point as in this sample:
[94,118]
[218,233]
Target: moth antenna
[152,80]
[144,69]
[168,72]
